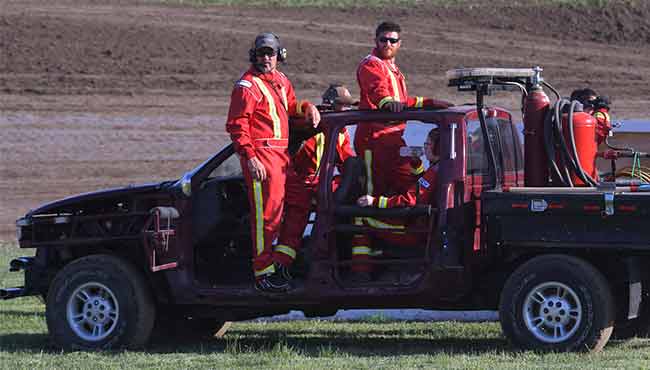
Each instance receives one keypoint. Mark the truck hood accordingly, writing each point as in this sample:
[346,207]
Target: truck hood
[70,203]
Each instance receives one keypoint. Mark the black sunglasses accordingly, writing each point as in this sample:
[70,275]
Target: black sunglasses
[265,52]
[387,39]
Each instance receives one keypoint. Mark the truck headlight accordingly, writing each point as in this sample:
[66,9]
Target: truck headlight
[186,184]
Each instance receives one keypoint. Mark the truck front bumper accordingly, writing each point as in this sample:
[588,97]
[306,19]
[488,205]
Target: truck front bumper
[18,264]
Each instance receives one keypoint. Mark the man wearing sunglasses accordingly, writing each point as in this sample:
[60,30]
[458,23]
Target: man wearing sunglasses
[383,86]
[261,103]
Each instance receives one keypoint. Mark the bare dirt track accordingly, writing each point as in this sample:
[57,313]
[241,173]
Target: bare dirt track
[96,94]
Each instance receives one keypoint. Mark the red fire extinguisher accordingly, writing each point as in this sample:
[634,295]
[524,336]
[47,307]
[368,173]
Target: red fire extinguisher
[582,145]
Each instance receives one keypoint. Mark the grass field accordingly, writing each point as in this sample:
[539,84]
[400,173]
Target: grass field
[376,344]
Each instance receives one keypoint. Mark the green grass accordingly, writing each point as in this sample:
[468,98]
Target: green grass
[376,343]
[401,3]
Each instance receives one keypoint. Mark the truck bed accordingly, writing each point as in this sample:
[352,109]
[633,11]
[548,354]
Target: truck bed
[567,218]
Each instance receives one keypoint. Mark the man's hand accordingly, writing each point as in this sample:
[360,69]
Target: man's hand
[393,106]
[312,115]
[258,172]
[365,200]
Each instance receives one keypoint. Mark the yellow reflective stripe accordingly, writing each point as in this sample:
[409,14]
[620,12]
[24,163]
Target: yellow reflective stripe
[266,271]
[281,248]
[341,139]
[385,100]
[259,217]
[299,110]
[358,220]
[368,158]
[382,225]
[419,102]
[273,112]
[605,115]
[284,98]
[418,170]
[360,250]
[320,146]
[393,82]
[383,202]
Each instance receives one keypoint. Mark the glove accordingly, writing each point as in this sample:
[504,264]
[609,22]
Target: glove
[393,106]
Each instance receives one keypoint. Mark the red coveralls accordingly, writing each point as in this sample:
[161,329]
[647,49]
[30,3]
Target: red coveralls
[603,124]
[380,82]
[258,123]
[302,185]
[361,242]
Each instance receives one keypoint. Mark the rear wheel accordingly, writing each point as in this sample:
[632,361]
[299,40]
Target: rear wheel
[99,302]
[557,303]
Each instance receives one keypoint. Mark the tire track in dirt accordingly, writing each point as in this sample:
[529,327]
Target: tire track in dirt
[118,92]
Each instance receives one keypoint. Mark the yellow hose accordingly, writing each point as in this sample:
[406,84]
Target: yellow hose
[641,173]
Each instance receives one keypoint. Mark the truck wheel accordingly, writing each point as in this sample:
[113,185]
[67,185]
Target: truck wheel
[557,303]
[99,302]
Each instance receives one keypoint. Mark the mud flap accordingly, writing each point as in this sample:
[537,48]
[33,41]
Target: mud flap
[159,230]
[635,287]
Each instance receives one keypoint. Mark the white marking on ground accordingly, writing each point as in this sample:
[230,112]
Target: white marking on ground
[392,315]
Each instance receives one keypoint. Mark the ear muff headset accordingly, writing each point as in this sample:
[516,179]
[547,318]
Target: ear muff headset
[282,52]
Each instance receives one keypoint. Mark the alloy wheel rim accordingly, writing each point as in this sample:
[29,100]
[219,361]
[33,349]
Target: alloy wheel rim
[92,311]
[552,312]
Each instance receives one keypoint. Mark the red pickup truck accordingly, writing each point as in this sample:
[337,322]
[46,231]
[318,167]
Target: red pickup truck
[562,265]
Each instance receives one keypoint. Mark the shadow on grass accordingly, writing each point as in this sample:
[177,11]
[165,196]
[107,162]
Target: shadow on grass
[365,343]
[21,313]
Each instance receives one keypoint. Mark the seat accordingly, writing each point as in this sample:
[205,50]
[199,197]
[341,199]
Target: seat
[353,182]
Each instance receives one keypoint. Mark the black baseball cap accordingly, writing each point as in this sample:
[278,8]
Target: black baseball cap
[267,40]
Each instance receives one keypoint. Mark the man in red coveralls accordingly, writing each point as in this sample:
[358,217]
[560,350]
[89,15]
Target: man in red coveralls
[597,106]
[383,86]
[421,191]
[258,122]
[302,180]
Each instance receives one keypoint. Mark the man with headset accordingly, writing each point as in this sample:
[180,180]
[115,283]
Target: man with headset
[261,103]
[597,106]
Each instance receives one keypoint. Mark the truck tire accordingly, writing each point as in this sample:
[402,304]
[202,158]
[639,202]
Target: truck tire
[557,303]
[99,302]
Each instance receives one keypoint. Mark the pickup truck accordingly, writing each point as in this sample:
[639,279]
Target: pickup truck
[563,266]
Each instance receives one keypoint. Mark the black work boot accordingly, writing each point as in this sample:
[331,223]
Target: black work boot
[284,271]
[273,283]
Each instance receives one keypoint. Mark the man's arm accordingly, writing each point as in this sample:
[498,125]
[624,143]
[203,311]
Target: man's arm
[301,108]
[423,102]
[425,186]
[242,106]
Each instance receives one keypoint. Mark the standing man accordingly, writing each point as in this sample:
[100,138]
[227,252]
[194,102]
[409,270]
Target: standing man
[261,103]
[383,86]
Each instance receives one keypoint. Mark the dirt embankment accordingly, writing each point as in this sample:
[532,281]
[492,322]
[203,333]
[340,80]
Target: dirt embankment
[105,93]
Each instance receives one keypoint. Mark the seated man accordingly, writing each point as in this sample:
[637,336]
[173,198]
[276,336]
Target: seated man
[303,178]
[421,192]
